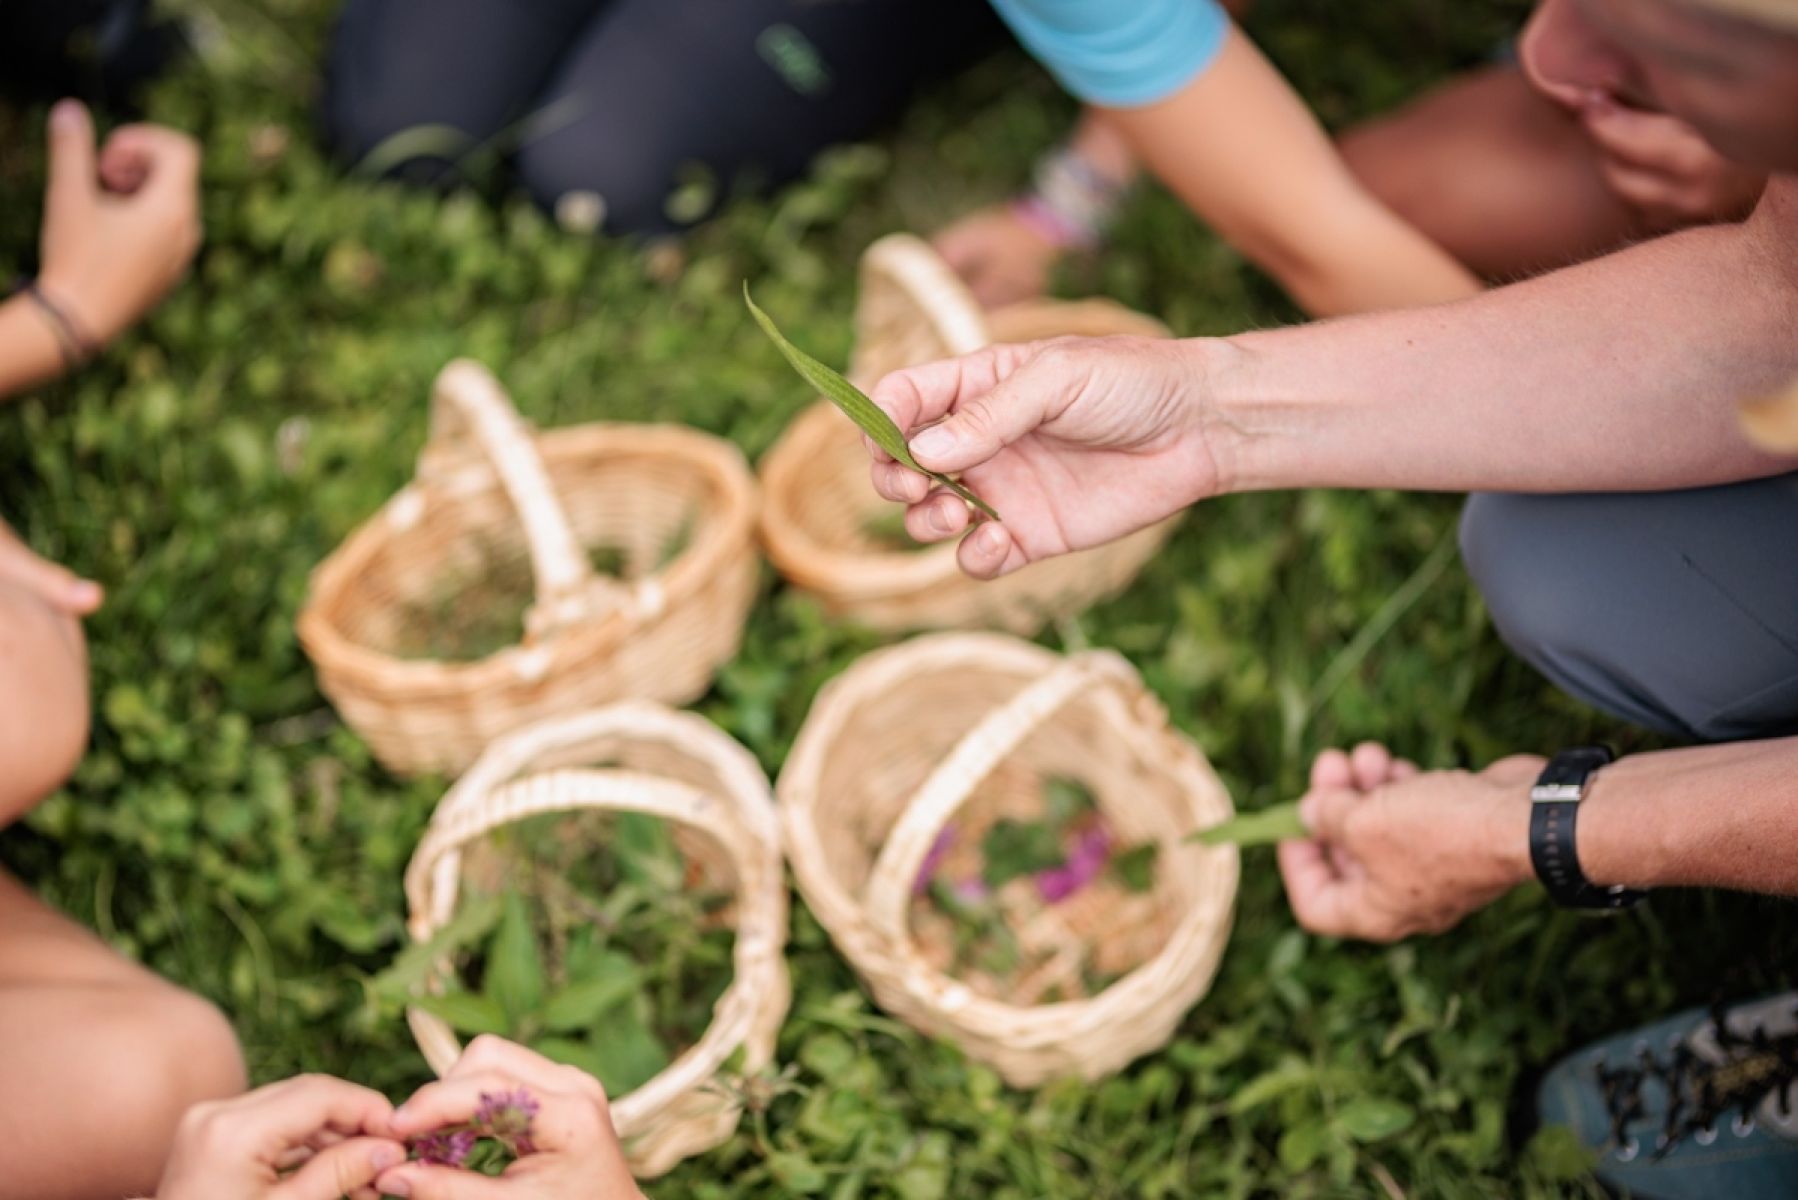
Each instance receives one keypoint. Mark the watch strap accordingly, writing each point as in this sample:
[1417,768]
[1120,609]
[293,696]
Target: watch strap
[1554,816]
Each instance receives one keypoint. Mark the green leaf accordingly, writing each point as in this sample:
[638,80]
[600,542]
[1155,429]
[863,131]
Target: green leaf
[627,1051]
[514,965]
[468,1012]
[855,404]
[1277,824]
[1556,1152]
[579,1005]
[1302,1145]
[1371,1118]
[828,1055]
[1135,867]
[1066,800]
[646,850]
[1013,848]
[797,1173]
[412,966]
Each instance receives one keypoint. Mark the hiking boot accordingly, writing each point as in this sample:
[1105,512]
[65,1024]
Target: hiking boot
[1704,1104]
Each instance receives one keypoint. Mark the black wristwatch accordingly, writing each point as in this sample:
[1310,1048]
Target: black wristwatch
[1554,808]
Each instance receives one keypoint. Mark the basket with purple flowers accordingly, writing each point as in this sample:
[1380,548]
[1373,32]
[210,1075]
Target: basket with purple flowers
[998,838]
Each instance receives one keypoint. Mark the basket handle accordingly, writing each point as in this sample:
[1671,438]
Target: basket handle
[903,269]
[980,750]
[435,880]
[469,410]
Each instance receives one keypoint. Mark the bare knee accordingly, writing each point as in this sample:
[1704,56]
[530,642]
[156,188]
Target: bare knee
[128,1059]
[181,1051]
[43,689]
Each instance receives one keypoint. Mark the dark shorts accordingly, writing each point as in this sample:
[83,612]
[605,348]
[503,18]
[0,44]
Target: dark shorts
[614,99]
[1675,610]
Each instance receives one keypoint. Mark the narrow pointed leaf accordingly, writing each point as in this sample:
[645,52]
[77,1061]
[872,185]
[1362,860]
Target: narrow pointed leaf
[855,404]
[1277,824]
[514,964]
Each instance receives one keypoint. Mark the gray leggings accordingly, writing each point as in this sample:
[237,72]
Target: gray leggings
[1675,610]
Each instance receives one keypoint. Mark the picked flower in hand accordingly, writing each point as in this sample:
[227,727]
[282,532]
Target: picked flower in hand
[498,1135]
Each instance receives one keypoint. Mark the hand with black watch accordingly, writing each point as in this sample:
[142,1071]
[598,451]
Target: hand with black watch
[1554,816]
[1396,851]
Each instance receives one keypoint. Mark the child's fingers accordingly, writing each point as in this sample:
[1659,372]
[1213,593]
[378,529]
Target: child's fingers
[447,1102]
[341,1170]
[489,1054]
[421,1182]
[53,583]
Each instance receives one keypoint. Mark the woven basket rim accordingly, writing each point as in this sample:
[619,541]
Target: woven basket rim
[334,579]
[750,838]
[871,572]
[806,855]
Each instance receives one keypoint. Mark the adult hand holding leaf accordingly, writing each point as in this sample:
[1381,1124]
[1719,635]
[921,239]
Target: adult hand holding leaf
[1078,441]
[855,405]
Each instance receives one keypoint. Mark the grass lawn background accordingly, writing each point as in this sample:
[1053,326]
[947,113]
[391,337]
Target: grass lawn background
[230,832]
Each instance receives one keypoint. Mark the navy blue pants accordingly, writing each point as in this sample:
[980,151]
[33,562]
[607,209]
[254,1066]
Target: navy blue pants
[611,99]
[1674,610]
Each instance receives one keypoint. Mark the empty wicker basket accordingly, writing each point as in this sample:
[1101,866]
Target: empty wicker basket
[821,518]
[636,757]
[494,502]
[953,728]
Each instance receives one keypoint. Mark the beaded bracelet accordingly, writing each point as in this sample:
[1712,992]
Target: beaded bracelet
[1071,202]
[76,346]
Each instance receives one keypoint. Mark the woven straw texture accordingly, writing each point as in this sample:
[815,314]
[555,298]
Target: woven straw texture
[940,728]
[821,515]
[676,507]
[635,757]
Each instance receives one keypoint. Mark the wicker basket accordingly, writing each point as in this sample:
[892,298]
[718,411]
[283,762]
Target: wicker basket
[636,756]
[820,506]
[958,726]
[491,494]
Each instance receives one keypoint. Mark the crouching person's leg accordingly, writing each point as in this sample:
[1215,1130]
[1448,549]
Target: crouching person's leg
[98,1057]
[98,1060]
[1675,610]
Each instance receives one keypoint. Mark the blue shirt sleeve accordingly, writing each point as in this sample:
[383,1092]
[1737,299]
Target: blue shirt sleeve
[1120,53]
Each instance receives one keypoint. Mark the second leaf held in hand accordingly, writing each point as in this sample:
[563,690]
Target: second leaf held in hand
[1277,824]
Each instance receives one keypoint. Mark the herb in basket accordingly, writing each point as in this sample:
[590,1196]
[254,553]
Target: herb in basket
[599,945]
[1013,906]
[856,406]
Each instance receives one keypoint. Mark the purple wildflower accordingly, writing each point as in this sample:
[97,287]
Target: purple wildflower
[1092,850]
[446,1148]
[972,890]
[506,1115]
[933,861]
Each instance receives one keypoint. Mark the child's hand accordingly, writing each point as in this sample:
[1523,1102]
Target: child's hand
[577,1152]
[324,1134]
[998,255]
[121,221]
[55,585]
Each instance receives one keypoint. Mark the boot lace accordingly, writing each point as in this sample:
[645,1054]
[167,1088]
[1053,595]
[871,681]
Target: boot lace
[1700,1093]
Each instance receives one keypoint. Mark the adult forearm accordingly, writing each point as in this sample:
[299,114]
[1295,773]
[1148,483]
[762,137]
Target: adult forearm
[29,353]
[1709,816]
[1617,375]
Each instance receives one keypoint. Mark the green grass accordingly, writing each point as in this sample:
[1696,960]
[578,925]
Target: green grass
[230,832]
